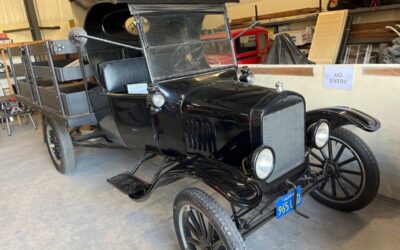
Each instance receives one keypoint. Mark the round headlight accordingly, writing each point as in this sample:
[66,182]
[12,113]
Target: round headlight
[158,100]
[321,136]
[263,162]
[250,78]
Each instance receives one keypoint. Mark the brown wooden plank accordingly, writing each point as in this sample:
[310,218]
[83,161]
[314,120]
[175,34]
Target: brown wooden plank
[386,71]
[12,45]
[372,32]
[286,71]
[289,13]
[3,55]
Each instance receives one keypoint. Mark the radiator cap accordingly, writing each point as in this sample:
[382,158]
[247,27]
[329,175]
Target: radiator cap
[279,87]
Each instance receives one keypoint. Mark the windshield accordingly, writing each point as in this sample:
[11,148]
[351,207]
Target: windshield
[179,43]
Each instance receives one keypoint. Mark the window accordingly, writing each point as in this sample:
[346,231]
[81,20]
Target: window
[262,41]
[183,43]
[246,44]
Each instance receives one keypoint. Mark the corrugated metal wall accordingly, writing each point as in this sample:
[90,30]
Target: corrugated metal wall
[50,13]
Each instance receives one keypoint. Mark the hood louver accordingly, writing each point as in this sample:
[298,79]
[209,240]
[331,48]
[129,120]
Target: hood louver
[200,136]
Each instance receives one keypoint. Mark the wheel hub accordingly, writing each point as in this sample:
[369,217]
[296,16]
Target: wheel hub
[204,244]
[53,144]
[332,168]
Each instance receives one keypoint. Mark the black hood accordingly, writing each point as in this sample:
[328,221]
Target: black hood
[216,96]
[224,99]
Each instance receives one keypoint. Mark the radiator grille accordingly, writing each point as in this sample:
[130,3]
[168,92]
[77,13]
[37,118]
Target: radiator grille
[200,135]
[284,131]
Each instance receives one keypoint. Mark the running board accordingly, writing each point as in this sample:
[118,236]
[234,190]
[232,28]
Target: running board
[130,185]
[100,143]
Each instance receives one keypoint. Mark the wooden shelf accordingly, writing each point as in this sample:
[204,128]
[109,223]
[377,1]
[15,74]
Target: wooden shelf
[300,19]
[372,10]
[285,16]
[372,32]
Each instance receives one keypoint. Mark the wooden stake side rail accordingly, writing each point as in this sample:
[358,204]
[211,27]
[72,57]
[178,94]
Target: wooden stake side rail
[13,45]
[54,89]
[3,49]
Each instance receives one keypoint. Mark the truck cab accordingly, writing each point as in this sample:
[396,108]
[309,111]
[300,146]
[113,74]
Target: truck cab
[252,46]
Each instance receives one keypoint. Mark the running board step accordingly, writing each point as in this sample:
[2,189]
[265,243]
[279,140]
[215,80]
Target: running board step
[129,184]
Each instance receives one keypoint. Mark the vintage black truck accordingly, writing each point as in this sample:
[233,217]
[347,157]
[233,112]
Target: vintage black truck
[161,76]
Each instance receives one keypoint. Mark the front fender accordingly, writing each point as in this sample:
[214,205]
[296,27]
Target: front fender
[225,179]
[340,116]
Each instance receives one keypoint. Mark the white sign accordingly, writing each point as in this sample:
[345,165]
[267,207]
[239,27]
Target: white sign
[137,88]
[339,77]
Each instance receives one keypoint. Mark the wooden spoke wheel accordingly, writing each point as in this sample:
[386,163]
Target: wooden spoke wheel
[201,223]
[350,169]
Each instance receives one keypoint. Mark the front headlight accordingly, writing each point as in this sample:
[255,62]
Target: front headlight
[247,76]
[250,78]
[158,100]
[321,134]
[263,162]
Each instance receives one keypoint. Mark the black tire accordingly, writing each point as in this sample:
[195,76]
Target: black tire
[60,146]
[194,202]
[368,174]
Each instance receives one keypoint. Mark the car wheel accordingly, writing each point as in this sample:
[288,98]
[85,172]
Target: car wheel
[201,223]
[59,145]
[351,171]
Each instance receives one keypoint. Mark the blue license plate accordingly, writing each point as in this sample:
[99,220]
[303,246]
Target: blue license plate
[285,204]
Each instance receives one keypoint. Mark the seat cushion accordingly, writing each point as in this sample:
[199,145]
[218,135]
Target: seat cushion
[115,75]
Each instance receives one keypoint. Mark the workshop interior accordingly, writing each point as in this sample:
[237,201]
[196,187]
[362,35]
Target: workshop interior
[200,124]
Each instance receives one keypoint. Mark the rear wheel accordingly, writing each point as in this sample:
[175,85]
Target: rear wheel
[351,170]
[201,223]
[59,145]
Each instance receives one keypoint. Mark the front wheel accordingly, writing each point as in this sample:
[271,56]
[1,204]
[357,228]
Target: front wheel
[59,145]
[201,223]
[351,171]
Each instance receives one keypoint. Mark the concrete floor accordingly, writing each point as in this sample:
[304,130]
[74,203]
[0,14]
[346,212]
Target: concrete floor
[41,209]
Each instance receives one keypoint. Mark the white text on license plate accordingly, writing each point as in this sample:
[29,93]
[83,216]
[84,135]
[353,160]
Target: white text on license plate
[285,204]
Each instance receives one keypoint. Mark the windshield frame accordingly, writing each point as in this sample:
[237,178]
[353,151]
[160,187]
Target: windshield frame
[137,11]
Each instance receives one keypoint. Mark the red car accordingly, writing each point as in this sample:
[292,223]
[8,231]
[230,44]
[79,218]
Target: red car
[251,47]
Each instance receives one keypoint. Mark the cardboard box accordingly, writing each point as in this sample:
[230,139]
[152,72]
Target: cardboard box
[301,37]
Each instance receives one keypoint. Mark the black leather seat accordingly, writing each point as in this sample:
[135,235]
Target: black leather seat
[115,75]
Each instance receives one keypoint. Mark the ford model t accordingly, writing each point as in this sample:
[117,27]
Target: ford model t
[161,76]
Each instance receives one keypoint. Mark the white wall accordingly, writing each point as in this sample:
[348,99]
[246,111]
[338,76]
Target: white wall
[376,95]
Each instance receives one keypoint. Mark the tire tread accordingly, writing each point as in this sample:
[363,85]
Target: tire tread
[213,209]
[67,147]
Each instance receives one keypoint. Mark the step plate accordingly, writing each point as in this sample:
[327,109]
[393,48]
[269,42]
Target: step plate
[130,185]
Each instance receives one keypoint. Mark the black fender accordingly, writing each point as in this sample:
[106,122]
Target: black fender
[340,116]
[227,180]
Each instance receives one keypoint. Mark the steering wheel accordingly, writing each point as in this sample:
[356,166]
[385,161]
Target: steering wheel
[187,56]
